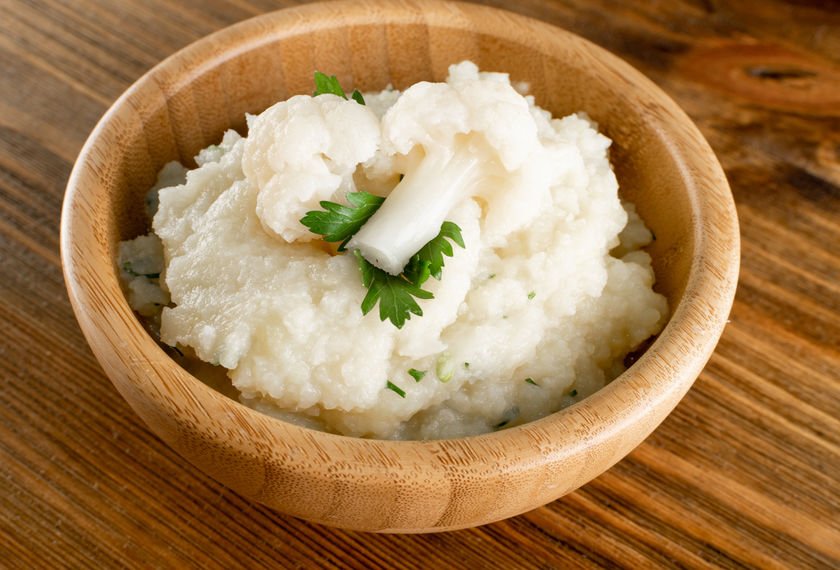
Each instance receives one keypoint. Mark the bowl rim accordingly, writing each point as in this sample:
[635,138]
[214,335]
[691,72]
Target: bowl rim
[681,349]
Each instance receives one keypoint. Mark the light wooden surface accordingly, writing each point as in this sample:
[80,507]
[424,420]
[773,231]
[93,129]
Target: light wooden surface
[743,473]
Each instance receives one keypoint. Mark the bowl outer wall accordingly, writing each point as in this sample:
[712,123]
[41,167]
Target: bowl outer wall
[414,486]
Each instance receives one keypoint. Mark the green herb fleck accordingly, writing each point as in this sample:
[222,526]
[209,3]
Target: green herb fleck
[531,381]
[395,294]
[466,365]
[531,295]
[573,393]
[396,389]
[501,424]
[416,374]
[492,276]
[337,222]
[357,97]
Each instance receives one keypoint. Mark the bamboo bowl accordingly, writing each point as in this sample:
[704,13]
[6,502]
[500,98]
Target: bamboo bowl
[184,104]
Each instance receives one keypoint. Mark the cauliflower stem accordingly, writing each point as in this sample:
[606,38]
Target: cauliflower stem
[407,220]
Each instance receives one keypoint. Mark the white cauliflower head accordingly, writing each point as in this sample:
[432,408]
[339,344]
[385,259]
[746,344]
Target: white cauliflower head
[481,105]
[302,151]
[473,136]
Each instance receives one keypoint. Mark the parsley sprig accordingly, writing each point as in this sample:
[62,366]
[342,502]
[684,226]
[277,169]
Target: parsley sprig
[329,84]
[337,222]
[396,295]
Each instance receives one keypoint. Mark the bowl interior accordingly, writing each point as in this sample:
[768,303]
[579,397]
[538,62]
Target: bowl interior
[186,103]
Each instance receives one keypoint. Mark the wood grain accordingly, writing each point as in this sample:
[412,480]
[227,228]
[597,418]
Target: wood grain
[744,473]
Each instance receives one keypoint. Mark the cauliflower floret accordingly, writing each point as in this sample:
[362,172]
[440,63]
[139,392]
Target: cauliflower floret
[476,137]
[298,153]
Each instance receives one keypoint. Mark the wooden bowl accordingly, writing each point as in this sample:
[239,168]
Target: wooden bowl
[184,104]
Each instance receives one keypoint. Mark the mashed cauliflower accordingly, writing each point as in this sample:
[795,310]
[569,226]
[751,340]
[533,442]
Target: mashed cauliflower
[534,313]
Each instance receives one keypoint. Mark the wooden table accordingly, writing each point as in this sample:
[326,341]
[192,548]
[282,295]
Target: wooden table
[743,473]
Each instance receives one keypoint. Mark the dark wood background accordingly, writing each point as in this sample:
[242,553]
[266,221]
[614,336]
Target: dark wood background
[743,473]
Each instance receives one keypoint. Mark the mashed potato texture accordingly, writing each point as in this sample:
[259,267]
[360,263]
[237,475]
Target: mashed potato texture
[528,317]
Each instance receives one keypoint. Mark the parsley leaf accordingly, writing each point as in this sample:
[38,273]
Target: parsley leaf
[416,374]
[329,84]
[337,222]
[429,260]
[395,294]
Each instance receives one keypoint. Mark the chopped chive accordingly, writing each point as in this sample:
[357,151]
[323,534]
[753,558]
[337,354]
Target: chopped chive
[416,374]
[531,381]
[531,295]
[396,389]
